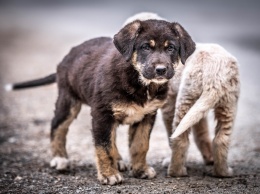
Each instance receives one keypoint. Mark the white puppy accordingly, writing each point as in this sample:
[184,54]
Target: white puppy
[210,80]
[143,16]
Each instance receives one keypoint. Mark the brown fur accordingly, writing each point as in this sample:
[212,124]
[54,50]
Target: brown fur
[124,81]
[137,92]
[139,135]
[224,116]
[58,142]
[106,166]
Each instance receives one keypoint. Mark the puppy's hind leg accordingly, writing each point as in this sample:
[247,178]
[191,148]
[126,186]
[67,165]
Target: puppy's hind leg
[179,147]
[180,144]
[225,118]
[187,114]
[202,139]
[67,109]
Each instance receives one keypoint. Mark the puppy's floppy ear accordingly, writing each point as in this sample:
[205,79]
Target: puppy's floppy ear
[187,45]
[124,40]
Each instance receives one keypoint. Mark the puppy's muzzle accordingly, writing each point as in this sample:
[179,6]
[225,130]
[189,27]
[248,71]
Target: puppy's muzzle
[160,70]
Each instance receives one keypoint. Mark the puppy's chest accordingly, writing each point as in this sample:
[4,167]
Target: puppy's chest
[130,113]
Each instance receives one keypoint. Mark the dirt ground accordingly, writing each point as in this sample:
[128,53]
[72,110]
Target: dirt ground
[33,41]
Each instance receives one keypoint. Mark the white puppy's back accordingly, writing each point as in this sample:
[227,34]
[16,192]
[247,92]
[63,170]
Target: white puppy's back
[143,16]
[210,75]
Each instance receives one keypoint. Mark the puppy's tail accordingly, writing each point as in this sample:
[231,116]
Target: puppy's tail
[33,83]
[199,110]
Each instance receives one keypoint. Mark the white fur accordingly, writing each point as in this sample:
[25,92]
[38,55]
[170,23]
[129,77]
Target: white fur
[121,165]
[150,173]
[111,180]
[166,161]
[143,16]
[8,87]
[59,163]
[215,75]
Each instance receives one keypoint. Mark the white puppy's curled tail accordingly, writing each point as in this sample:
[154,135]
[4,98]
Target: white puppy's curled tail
[199,110]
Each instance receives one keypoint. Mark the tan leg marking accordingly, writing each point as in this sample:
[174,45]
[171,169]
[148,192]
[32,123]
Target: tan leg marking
[106,159]
[58,143]
[139,135]
[59,139]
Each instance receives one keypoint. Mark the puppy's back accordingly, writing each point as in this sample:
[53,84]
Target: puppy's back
[218,68]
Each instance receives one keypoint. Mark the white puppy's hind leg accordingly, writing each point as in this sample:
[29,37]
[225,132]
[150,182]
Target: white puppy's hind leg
[225,119]
[185,118]
[202,140]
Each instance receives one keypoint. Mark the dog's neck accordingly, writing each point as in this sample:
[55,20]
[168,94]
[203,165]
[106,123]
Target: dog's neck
[158,91]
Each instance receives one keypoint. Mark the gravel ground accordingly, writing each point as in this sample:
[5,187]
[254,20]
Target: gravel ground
[34,38]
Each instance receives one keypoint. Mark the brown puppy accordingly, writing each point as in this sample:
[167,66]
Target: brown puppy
[201,133]
[210,80]
[123,83]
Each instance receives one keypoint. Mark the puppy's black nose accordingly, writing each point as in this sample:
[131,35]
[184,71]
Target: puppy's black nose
[160,70]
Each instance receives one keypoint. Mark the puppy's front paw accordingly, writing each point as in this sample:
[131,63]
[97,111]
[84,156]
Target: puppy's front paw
[177,172]
[121,166]
[59,163]
[223,173]
[111,180]
[147,173]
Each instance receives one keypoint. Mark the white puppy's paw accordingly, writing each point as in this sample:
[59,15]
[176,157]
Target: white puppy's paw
[111,180]
[166,162]
[223,173]
[177,171]
[59,163]
[121,166]
[149,173]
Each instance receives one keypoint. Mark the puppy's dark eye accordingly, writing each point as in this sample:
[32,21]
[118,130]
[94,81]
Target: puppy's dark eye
[146,47]
[171,48]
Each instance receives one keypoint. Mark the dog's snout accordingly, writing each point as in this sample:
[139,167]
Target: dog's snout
[160,70]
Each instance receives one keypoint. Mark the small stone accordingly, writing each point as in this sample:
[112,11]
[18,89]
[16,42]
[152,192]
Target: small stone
[18,178]
[12,140]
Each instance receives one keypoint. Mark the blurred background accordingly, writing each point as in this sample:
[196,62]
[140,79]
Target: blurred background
[36,35]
